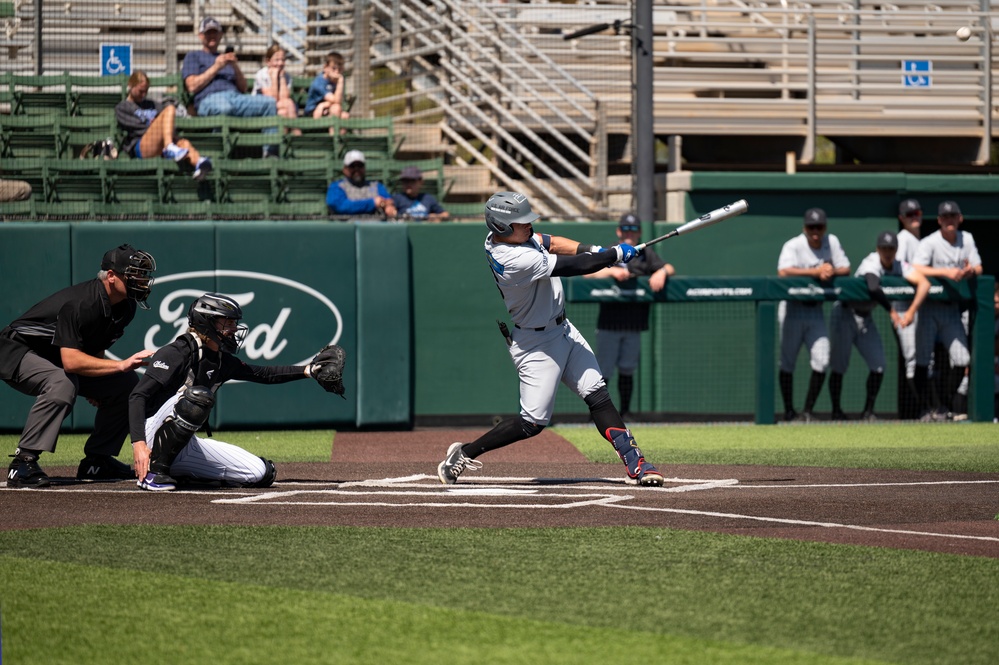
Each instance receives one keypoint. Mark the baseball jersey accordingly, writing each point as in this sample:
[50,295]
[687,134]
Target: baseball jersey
[907,244]
[523,274]
[934,251]
[796,253]
[318,89]
[77,317]
[871,265]
[631,315]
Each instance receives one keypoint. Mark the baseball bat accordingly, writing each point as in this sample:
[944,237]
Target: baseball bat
[707,219]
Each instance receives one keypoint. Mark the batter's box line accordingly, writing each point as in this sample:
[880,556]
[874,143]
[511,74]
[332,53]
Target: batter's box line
[793,522]
[606,484]
[280,498]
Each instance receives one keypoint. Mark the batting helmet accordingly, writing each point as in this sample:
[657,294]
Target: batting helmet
[506,208]
[206,314]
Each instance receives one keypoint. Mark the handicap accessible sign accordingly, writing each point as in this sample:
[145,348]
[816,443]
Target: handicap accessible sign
[116,59]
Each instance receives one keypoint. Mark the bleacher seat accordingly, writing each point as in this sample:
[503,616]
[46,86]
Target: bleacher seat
[247,181]
[28,136]
[317,138]
[304,180]
[433,175]
[245,138]
[74,133]
[372,136]
[74,180]
[134,180]
[95,95]
[206,133]
[33,95]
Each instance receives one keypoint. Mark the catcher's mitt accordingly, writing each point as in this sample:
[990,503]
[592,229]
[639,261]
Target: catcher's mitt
[327,368]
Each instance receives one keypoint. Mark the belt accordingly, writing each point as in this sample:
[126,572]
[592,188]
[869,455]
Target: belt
[559,320]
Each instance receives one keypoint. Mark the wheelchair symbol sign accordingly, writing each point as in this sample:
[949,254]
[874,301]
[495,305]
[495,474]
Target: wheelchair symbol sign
[116,59]
[916,73]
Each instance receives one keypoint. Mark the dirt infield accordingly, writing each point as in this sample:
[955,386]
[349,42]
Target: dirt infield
[388,479]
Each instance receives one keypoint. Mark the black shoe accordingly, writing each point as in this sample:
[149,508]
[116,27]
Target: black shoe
[25,472]
[103,468]
[839,415]
[804,417]
[790,415]
[868,417]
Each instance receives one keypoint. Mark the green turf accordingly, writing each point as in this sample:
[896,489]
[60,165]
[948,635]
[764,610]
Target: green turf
[280,446]
[346,595]
[945,447]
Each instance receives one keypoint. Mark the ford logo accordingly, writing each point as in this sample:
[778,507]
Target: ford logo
[284,305]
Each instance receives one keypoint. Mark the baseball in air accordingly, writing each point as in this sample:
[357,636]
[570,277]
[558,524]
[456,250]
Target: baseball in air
[963,33]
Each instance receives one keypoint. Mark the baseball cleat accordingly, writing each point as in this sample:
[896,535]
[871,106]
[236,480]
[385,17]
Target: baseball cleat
[640,472]
[157,482]
[95,468]
[455,463]
[25,472]
[649,476]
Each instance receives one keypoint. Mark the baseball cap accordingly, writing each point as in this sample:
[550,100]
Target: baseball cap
[411,173]
[815,217]
[209,23]
[887,239]
[118,259]
[909,205]
[948,208]
[352,157]
[629,222]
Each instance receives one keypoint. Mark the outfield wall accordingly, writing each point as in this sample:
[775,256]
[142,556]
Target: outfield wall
[415,304]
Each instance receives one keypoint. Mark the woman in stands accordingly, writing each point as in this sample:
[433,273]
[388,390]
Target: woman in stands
[149,128]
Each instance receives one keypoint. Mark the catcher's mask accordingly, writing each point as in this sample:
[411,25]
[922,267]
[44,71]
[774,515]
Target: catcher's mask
[506,208]
[208,314]
[135,268]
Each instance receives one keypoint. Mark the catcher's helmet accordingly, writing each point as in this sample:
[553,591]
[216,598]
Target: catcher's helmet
[205,315]
[135,268]
[506,208]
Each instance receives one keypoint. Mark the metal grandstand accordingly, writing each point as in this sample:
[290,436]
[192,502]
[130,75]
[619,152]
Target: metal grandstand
[495,89]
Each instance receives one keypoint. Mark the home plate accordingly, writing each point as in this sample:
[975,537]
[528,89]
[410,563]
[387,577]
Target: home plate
[488,491]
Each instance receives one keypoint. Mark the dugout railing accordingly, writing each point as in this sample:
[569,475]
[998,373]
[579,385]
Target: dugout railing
[760,338]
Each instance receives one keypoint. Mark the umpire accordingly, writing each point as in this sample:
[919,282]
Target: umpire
[55,351]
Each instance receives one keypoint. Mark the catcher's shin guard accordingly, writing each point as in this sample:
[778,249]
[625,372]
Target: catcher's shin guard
[189,414]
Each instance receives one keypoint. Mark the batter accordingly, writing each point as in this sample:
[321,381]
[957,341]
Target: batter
[545,347]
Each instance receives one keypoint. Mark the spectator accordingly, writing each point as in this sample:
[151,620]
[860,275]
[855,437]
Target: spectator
[853,325]
[948,253]
[412,204]
[620,324]
[274,81]
[149,128]
[218,84]
[325,96]
[354,194]
[55,351]
[819,256]
[14,190]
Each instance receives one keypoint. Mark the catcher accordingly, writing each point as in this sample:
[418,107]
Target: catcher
[174,398]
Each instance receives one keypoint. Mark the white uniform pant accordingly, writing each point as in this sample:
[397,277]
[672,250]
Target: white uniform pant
[942,322]
[850,329]
[802,324]
[208,459]
[907,341]
[545,358]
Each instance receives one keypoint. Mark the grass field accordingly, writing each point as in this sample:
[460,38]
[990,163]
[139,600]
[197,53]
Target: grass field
[117,594]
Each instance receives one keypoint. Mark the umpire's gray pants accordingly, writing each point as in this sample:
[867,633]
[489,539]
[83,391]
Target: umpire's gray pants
[55,391]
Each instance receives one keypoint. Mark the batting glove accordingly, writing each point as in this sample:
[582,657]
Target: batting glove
[625,252]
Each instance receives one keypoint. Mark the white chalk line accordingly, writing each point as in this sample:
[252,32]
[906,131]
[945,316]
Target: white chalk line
[914,483]
[828,525]
[441,498]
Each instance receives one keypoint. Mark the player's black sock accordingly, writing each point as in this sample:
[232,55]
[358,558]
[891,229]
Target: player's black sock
[504,433]
[951,380]
[626,387]
[873,387]
[814,386]
[835,390]
[921,381]
[605,416]
[787,389]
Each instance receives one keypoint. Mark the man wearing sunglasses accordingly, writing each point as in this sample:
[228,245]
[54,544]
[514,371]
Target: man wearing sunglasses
[818,255]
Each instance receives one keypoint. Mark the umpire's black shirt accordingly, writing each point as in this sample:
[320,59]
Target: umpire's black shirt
[78,317]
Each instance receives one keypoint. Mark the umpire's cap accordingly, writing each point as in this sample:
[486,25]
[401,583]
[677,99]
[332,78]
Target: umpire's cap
[506,208]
